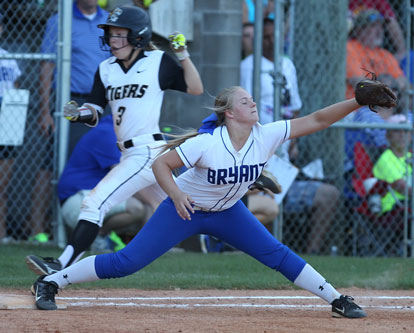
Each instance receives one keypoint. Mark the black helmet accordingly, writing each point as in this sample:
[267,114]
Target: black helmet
[133,18]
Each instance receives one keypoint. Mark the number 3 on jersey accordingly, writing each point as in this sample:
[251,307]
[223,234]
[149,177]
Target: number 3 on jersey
[121,111]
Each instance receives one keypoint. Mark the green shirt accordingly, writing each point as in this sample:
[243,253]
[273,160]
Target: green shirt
[391,168]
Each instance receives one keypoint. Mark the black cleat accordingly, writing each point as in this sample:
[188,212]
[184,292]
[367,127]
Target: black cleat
[44,292]
[345,307]
[43,266]
[267,181]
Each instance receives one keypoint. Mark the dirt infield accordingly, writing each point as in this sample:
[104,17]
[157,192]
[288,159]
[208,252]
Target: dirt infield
[130,310]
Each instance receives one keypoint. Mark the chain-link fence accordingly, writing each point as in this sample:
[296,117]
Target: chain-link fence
[27,150]
[349,204]
[331,205]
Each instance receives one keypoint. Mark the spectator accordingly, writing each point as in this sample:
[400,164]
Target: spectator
[262,205]
[315,198]
[86,56]
[247,39]
[391,23]
[9,75]
[291,102]
[311,196]
[365,52]
[394,167]
[93,157]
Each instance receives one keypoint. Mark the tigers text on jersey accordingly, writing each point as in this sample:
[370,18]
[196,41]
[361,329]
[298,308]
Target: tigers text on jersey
[135,96]
[218,175]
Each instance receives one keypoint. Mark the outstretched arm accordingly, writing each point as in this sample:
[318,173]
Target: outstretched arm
[369,92]
[321,119]
[162,168]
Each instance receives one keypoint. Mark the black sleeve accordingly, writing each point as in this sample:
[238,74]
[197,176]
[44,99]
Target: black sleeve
[171,74]
[98,93]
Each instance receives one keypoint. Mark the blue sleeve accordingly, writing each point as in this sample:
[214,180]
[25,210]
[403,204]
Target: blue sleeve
[50,37]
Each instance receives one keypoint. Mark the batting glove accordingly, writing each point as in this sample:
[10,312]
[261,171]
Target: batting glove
[84,114]
[178,44]
[70,111]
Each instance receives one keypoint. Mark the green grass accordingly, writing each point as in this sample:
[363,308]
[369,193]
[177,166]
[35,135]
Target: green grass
[221,271]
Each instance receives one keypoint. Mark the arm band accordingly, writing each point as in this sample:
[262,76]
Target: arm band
[182,55]
[87,114]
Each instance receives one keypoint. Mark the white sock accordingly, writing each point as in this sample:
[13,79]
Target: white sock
[66,255]
[82,271]
[312,281]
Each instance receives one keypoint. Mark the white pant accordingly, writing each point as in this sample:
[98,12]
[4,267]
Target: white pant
[131,175]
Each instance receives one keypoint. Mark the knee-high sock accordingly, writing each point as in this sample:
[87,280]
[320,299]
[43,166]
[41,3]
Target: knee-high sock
[312,281]
[82,271]
[80,240]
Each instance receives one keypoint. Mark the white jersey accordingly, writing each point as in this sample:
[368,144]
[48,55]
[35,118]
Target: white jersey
[9,72]
[218,175]
[135,95]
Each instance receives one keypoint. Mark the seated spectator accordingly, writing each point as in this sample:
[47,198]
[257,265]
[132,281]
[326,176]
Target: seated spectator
[392,26]
[365,52]
[394,167]
[315,199]
[260,198]
[87,165]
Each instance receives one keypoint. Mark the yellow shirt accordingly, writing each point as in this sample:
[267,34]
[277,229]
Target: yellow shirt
[391,168]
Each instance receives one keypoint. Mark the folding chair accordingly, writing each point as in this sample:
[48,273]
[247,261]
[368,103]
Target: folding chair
[365,234]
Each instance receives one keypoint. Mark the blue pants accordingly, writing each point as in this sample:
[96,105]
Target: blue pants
[236,226]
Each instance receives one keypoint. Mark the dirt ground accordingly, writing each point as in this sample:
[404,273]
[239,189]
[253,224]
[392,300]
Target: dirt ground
[132,310]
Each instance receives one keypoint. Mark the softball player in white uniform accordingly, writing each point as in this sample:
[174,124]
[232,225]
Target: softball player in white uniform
[206,200]
[132,82]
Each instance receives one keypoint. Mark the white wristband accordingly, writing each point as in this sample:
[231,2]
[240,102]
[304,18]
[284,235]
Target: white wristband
[182,55]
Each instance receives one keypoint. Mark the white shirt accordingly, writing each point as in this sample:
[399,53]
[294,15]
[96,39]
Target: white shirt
[218,175]
[267,86]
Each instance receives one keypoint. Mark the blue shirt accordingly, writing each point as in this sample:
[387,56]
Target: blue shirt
[86,51]
[93,156]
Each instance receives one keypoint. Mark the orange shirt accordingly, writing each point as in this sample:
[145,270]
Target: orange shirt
[377,60]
